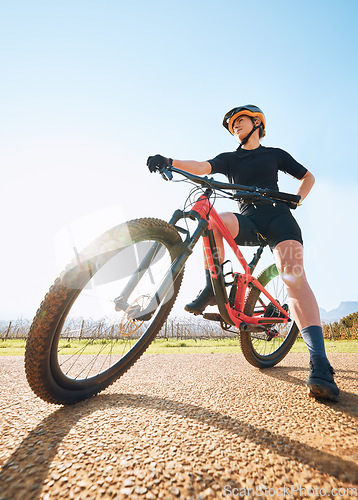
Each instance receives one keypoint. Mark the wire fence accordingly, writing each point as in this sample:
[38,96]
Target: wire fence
[173,328]
[17,329]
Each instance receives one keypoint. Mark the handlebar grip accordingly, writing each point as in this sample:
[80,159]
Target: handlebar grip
[290,199]
[166,173]
[294,198]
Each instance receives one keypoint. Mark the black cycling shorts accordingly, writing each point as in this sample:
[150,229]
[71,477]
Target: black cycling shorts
[267,224]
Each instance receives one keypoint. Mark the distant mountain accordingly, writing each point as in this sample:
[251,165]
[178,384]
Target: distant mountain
[344,309]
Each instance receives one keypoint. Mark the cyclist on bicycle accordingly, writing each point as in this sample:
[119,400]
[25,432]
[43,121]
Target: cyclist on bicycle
[255,165]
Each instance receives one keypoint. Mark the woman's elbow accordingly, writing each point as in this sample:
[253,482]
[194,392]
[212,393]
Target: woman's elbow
[310,177]
[205,168]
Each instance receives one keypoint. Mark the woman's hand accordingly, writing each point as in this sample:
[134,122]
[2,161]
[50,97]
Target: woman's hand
[157,162]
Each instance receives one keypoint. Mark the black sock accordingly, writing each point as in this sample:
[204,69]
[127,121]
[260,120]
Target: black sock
[208,282]
[208,279]
[313,337]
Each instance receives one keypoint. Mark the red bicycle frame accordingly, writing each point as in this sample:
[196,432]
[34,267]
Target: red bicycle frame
[232,314]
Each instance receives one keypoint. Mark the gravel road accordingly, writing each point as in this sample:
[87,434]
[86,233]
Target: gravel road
[185,426]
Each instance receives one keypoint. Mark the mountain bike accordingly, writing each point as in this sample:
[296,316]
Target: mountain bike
[111,301]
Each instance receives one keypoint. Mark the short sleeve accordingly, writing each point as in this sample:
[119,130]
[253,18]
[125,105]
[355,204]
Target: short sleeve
[219,164]
[290,166]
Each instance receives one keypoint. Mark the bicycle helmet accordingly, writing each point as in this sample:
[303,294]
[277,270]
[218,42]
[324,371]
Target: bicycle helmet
[248,110]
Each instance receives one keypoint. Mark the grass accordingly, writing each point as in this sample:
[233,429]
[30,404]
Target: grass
[12,347]
[16,347]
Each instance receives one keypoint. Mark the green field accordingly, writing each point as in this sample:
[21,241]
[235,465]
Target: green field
[162,346]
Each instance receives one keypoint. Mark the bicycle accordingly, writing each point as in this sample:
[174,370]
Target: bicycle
[125,284]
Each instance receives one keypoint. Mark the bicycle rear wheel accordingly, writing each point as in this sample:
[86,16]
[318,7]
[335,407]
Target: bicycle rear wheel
[103,312]
[263,349]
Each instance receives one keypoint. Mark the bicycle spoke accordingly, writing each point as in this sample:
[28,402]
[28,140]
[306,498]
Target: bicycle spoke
[264,343]
[111,333]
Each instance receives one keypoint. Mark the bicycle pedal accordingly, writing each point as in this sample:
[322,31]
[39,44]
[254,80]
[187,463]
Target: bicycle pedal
[271,334]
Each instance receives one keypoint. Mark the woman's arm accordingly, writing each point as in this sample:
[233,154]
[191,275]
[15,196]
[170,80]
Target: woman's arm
[306,184]
[193,167]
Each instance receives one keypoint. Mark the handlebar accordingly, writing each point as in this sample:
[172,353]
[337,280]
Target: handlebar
[248,193]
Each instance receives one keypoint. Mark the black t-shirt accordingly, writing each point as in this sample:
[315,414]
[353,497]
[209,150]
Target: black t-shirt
[256,167]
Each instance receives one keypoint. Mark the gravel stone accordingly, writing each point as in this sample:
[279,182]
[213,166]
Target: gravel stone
[181,426]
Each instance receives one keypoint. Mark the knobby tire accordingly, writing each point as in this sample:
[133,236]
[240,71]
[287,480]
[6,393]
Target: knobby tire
[42,361]
[260,352]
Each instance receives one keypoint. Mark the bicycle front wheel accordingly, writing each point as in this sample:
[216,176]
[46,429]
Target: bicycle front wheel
[266,349]
[104,311]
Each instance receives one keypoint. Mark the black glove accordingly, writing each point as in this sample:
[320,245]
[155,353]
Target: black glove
[157,162]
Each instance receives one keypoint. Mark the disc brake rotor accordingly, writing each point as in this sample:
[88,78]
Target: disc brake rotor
[128,326]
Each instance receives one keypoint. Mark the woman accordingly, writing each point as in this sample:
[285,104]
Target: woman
[255,165]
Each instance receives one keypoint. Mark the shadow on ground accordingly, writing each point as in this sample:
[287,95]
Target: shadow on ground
[348,401]
[33,457]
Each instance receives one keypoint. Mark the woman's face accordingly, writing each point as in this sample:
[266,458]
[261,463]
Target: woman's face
[242,127]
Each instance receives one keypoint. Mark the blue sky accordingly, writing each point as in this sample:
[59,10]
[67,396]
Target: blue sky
[89,89]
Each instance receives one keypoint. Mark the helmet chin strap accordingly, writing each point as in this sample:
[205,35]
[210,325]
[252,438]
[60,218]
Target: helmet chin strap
[244,141]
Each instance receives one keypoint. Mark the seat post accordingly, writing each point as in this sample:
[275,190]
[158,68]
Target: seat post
[256,257]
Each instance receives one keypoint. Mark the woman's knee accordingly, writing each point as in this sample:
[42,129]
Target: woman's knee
[231,222]
[293,274]
[289,261]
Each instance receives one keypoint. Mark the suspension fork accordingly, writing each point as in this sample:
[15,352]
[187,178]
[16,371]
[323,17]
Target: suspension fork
[172,274]
[121,300]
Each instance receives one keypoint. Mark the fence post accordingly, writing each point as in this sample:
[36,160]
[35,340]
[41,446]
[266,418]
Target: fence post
[82,325]
[8,331]
[332,335]
[346,330]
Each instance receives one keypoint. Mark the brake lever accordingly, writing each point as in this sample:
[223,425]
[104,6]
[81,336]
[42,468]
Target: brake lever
[166,174]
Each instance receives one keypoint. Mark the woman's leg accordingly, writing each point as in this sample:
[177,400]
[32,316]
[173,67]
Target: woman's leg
[231,222]
[206,296]
[303,305]
[304,310]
